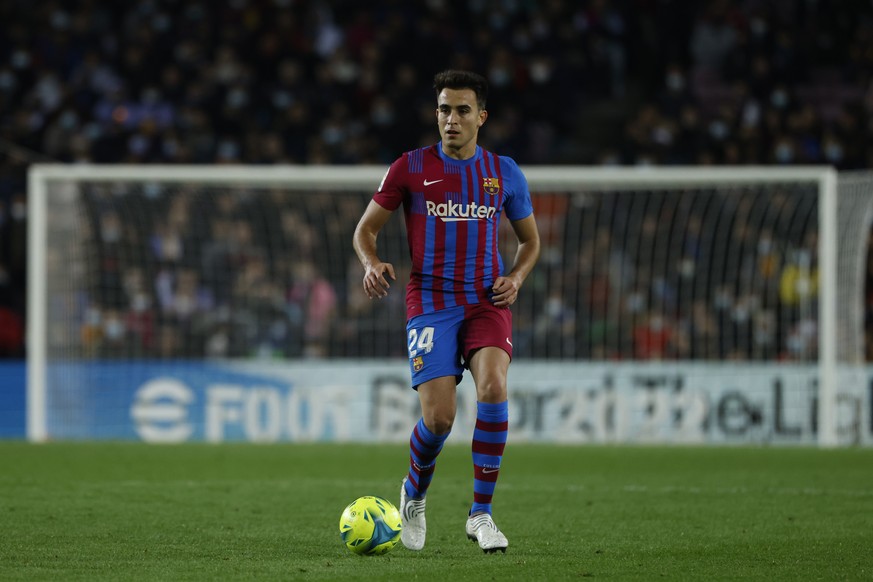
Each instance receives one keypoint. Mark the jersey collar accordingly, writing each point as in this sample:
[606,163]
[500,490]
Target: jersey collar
[466,162]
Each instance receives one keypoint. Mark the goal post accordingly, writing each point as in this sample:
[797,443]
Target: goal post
[628,230]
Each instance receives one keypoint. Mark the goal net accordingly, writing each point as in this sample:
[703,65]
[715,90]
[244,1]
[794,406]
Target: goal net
[734,297]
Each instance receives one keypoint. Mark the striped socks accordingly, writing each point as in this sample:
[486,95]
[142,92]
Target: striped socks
[424,446]
[489,440]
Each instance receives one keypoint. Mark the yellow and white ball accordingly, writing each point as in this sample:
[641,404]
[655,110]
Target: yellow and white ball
[370,526]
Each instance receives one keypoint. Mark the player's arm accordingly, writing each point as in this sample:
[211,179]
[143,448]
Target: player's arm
[506,288]
[364,241]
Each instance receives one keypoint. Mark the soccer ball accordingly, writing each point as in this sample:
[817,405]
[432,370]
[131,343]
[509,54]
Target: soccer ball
[370,526]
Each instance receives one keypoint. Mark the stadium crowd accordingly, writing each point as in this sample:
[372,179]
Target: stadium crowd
[599,82]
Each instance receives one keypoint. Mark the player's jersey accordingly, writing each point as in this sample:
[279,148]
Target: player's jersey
[453,210]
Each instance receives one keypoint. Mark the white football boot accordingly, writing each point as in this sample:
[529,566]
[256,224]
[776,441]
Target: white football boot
[414,528]
[481,528]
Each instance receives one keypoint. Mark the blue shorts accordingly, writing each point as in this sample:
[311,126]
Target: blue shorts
[441,343]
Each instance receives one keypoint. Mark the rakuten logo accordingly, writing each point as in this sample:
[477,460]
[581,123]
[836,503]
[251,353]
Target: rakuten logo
[452,211]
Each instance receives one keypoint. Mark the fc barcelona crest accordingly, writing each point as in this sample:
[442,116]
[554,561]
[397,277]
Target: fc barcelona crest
[417,363]
[491,186]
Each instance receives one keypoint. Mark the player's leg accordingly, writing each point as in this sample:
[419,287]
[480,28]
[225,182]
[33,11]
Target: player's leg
[489,367]
[438,398]
[434,358]
[438,405]
[488,347]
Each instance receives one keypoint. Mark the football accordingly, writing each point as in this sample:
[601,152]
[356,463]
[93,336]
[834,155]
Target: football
[370,526]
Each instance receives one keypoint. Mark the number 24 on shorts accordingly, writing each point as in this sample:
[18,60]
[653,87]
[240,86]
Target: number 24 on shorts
[420,341]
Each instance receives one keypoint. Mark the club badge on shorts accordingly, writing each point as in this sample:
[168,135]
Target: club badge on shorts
[417,363]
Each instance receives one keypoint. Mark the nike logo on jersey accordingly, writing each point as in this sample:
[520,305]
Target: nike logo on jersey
[428,183]
[509,342]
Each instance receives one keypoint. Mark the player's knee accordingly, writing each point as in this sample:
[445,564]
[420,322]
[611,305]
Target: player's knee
[492,390]
[439,423]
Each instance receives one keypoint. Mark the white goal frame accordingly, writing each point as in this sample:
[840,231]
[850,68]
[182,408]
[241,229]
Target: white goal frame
[540,178]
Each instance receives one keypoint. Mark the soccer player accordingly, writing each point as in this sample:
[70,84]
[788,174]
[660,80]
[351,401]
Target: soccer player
[453,194]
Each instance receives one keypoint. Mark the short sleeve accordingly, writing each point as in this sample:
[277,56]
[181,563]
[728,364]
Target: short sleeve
[516,202]
[392,189]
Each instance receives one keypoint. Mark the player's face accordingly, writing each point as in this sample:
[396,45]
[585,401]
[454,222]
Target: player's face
[459,119]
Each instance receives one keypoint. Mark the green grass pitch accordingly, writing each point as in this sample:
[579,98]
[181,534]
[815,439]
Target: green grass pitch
[249,512]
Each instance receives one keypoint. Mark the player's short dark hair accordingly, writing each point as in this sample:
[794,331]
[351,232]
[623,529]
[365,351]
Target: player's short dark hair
[454,79]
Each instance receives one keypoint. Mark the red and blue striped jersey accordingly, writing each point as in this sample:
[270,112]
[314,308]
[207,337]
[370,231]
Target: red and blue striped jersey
[452,209]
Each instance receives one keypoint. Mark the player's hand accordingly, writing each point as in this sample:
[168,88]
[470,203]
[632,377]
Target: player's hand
[375,284]
[505,291]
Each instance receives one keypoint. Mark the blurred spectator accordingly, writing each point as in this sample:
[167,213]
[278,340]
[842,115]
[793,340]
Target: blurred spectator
[654,338]
[11,334]
[619,82]
[314,300]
